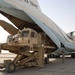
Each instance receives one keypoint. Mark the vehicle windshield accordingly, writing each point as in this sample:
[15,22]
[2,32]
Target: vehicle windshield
[25,33]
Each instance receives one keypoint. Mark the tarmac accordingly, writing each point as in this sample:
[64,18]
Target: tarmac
[55,67]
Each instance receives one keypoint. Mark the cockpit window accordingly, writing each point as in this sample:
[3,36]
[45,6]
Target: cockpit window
[25,33]
[73,34]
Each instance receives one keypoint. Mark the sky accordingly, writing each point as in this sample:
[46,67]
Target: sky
[62,12]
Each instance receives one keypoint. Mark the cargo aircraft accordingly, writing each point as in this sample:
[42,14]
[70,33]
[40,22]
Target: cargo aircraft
[27,15]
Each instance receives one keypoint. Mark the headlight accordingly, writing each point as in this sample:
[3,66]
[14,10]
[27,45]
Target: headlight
[20,39]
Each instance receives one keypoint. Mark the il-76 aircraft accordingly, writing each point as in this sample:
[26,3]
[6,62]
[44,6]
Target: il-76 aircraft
[33,31]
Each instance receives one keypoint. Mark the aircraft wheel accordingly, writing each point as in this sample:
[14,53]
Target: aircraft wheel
[57,56]
[46,60]
[73,55]
[48,55]
[53,56]
[10,67]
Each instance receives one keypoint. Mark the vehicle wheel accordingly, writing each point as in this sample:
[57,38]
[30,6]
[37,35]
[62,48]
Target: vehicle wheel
[10,67]
[46,60]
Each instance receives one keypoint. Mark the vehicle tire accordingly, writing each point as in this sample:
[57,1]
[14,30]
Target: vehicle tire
[10,67]
[46,60]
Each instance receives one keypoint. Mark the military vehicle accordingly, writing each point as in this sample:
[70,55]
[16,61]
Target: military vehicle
[30,47]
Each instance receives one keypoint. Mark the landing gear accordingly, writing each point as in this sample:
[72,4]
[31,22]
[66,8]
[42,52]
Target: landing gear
[46,60]
[53,56]
[10,67]
[72,55]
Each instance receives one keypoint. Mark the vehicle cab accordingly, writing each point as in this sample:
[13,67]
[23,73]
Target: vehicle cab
[26,37]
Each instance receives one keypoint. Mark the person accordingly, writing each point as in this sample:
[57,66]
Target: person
[63,56]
